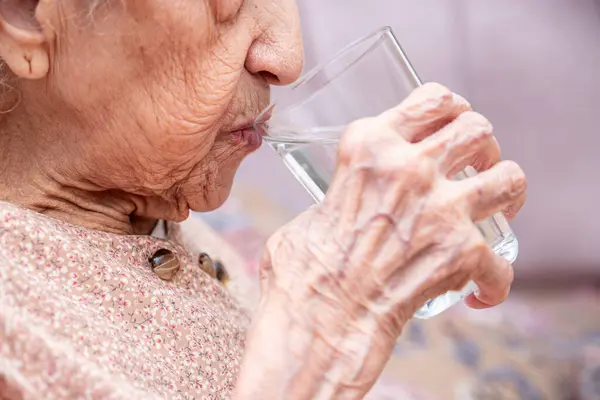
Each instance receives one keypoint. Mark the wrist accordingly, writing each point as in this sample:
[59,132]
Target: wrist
[276,344]
[310,349]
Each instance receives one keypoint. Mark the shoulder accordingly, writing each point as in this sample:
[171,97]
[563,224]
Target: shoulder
[12,216]
[24,236]
[17,230]
[24,232]
[34,250]
[17,220]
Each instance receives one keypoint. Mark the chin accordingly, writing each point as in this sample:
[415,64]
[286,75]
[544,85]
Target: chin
[212,190]
[207,202]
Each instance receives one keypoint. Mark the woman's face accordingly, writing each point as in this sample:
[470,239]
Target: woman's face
[149,97]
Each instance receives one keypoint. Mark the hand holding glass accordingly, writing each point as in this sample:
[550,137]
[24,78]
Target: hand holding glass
[365,79]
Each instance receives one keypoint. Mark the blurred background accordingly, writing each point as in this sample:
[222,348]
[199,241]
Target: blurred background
[532,68]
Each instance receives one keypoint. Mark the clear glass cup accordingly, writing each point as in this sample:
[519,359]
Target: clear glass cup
[364,79]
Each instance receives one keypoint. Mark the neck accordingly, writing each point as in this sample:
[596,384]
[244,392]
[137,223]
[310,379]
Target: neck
[31,177]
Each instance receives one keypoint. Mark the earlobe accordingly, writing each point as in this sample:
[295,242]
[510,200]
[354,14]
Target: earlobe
[23,47]
[25,61]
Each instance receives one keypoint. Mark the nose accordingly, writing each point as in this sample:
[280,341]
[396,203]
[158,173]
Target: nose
[277,54]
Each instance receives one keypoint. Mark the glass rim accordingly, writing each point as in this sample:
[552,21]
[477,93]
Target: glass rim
[379,34]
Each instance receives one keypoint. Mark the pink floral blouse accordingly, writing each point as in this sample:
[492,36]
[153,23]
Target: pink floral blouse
[82,315]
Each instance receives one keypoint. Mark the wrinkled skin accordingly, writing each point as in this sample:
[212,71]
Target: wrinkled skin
[141,97]
[393,232]
[126,112]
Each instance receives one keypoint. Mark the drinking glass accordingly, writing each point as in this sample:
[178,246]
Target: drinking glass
[364,79]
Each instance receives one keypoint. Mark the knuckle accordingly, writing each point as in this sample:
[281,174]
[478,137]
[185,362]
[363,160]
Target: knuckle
[437,91]
[427,98]
[473,250]
[459,283]
[355,139]
[478,246]
[516,178]
[476,123]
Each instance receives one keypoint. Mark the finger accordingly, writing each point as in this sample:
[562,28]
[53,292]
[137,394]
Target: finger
[502,187]
[370,166]
[373,201]
[493,277]
[455,283]
[397,182]
[466,141]
[426,110]
[438,267]
[355,155]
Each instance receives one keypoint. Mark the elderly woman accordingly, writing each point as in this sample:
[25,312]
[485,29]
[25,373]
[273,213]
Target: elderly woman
[119,114]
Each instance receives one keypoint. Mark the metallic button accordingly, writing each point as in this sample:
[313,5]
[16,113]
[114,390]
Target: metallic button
[221,272]
[164,264]
[207,265]
[213,268]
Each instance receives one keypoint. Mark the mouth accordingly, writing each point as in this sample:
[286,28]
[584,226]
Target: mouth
[246,134]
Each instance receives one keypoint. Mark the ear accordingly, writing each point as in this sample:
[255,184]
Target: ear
[23,46]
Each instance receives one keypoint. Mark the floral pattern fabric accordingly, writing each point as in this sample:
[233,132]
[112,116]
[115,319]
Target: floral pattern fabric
[82,316]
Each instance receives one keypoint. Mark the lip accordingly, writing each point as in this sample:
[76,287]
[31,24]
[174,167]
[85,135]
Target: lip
[247,135]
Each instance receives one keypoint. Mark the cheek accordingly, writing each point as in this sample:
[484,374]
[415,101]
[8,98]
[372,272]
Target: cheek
[175,85]
[193,89]
[181,112]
